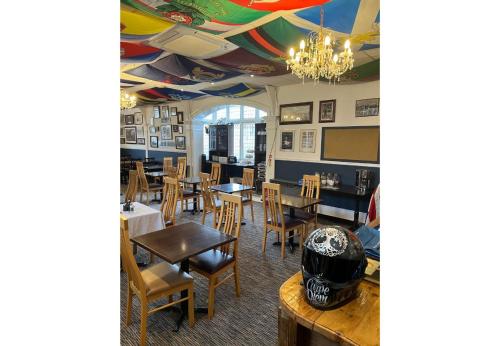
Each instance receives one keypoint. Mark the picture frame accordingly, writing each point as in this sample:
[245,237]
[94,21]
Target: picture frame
[180,142]
[165,132]
[141,141]
[327,110]
[129,119]
[130,134]
[138,118]
[156,112]
[181,129]
[122,133]
[173,111]
[153,141]
[122,119]
[175,128]
[367,108]
[165,117]
[287,140]
[180,117]
[140,131]
[122,140]
[152,130]
[296,113]
[170,143]
[307,141]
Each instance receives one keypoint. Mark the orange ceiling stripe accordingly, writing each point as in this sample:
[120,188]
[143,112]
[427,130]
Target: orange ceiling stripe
[257,37]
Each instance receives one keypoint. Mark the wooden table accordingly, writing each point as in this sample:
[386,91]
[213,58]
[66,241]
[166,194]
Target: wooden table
[355,323]
[232,188]
[180,242]
[295,202]
[193,181]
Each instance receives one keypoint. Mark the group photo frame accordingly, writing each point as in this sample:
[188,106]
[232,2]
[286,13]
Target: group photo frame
[367,107]
[296,113]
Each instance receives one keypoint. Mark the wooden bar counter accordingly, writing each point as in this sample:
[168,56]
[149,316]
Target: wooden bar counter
[355,323]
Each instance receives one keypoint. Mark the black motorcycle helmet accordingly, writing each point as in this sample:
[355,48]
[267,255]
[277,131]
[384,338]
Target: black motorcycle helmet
[333,265]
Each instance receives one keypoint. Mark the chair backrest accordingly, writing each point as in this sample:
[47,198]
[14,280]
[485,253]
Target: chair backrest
[170,196]
[142,176]
[132,186]
[273,210]
[248,174]
[171,172]
[206,193]
[167,162]
[215,172]
[230,218]
[128,260]
[310,186]
[181,167]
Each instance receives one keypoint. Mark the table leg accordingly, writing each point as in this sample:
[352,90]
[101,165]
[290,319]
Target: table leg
[355,221]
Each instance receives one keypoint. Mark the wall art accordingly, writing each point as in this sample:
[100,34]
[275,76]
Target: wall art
[327,111]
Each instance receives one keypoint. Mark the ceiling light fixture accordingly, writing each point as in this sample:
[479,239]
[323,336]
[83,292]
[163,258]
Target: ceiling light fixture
[252,75]
[316,58]
[127,101]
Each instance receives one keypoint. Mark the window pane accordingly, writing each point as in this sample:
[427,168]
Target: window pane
[236,142]
[248,141]
[208,117]
[234,112]
[248,112]
[221,113]
[205,142]
[262,114]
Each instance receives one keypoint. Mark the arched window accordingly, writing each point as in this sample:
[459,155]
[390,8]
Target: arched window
[243,118]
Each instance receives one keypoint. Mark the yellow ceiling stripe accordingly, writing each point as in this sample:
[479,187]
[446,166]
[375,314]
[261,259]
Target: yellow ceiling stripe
[141,24]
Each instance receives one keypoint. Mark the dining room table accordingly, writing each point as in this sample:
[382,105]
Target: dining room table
[177,244]
[193,181]
[231,188]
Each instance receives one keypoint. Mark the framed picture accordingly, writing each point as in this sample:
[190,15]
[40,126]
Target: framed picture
[181,129]
[296,113]
[140,131]
[170,144]
[180,142]
[287,140]
[122,134]
[163,143]
[122,119]
[129,119]
[165,132]
[152,130]
[141,141]
[122,140]
[156,112]
[175,128]
[138,118]
[131,134]
[327,111]
[164,115]
[180,117]
[153,141]
[367,107]
[307,141]
[173,110]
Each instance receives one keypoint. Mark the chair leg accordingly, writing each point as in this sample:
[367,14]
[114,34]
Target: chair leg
[283,241]
[251,208]
[140,197]
[264,241]
[144,322]
[204,213]
[211,297]
[214,223]
[237,278]
[151,258]
[191,306]
[129,305]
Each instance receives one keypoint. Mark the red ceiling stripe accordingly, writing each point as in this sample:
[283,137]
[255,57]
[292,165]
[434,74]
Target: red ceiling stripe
[260,40]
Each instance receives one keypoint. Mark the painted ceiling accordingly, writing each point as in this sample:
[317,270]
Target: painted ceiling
[184,49]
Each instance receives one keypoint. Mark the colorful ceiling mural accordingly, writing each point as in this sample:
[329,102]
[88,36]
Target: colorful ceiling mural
[263,31]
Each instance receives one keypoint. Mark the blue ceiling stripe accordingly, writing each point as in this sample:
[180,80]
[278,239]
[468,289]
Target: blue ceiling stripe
[377,20]
[339,14]
[367,46]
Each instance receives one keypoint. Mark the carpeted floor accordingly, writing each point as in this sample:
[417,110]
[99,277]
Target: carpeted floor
[251,319]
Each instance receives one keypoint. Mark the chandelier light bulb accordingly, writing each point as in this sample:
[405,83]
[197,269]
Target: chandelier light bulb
[347,44]
[292,52]
[302,44]
[327,40]
[335,58]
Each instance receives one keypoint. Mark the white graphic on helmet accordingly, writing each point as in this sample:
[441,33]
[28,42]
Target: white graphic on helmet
[328,241]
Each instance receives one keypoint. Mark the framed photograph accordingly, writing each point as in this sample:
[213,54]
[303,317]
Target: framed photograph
[152,130]
[165,132]
[173,110]
[327,111]
[122,140]
[287,140]
[156,112]
[129,119]
[180,117]
[164,115]
[175,128]
[153,141]
[170,143]
[307,141]
[181,129]
[367,107]
[296,113]
[140,131]
[131,134]
[163,143]
[180,142]
[122,119]
[138,118]
[141,141]
[122,134]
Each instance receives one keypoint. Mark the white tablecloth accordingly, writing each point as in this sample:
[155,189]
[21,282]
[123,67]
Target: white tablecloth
[143,220]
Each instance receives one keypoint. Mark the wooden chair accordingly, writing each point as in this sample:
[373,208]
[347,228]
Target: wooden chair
[311,186]
[131,192]
[169,202]
[210,204]
[181,167]
[144,186]
[248,174]
[167,162]
[158,281]
[274,219]
[215,173]
[213,263]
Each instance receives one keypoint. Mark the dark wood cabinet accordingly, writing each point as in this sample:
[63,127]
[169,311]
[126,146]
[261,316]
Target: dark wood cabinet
[220,141]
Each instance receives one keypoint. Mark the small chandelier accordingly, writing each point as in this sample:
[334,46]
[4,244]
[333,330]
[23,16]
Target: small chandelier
[127,101]
[316,58]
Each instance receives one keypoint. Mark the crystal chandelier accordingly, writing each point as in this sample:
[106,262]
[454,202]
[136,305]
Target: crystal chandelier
[127,101]
[316,58]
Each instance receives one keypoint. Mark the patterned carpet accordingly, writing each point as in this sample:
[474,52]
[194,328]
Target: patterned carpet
[251,319]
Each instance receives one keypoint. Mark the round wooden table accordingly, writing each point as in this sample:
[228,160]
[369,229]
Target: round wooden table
[355,323]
